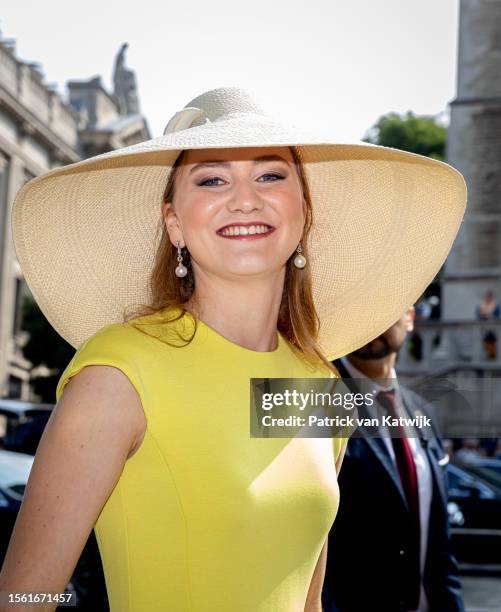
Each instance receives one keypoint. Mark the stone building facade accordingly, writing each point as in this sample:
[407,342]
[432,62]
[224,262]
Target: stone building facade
[39,131]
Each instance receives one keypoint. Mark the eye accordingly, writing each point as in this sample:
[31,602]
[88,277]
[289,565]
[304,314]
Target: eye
[275,175]
[206,181]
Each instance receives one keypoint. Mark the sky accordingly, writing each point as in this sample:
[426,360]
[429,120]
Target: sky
[335,66]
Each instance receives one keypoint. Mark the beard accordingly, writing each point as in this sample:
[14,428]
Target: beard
[376,349]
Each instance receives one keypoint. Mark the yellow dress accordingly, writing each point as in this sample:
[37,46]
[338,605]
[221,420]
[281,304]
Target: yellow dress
[205,518]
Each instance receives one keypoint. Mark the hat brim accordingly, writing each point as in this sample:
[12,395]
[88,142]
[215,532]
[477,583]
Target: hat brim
[85,235]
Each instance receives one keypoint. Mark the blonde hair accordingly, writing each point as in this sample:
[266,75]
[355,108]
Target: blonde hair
[297,318]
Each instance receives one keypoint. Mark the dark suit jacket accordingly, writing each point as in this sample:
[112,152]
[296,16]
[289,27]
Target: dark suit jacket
[366,564]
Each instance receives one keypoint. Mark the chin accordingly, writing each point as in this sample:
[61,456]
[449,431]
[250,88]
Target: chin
[249,271]
[253,268]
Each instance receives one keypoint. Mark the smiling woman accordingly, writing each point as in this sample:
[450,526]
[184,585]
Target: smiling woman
[149,443]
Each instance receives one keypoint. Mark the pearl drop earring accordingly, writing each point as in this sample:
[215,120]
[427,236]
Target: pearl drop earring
[299,260]
[181,270]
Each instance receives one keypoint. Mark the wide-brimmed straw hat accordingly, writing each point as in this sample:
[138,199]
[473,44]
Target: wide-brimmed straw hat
[384,221]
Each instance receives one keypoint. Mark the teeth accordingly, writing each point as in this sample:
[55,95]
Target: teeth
[242,230]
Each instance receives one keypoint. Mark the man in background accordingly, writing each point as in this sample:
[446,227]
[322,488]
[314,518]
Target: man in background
[389,548]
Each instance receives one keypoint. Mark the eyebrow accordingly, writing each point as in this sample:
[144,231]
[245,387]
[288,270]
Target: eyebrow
[225,164]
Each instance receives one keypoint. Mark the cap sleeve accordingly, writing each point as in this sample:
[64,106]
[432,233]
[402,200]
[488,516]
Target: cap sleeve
[114,345]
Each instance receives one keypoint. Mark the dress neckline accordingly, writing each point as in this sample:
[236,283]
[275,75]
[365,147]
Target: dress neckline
[222,339]
[209,333]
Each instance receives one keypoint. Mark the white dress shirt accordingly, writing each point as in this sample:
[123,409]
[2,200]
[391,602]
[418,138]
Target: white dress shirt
[425,485]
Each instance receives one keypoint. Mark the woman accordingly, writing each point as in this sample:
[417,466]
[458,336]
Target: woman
[266,250]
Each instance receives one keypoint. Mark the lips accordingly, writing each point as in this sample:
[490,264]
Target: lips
[245,224]
[247,230]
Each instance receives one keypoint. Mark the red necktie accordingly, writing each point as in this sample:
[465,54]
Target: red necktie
[408,476]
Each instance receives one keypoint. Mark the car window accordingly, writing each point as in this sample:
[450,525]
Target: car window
[460,481]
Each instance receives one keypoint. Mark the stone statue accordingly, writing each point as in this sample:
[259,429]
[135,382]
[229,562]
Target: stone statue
[125,86]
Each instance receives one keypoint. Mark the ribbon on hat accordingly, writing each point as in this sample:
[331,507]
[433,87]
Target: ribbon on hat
[186,118]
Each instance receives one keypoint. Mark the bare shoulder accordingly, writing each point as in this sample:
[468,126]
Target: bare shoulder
[105,395]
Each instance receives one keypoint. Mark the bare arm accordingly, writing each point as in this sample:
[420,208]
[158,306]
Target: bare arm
[96,425]
[314,598]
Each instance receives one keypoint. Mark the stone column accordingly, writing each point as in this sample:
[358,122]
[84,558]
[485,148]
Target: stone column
[474,148]
[7,276]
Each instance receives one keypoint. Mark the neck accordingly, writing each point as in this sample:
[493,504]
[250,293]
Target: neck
[244,312]
[374,368]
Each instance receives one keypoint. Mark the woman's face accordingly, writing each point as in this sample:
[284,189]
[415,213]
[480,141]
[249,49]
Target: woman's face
[239,211]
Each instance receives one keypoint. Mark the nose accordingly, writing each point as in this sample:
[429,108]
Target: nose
[245,198]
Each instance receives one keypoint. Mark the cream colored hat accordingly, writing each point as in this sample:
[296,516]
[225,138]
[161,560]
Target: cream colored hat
[383,223]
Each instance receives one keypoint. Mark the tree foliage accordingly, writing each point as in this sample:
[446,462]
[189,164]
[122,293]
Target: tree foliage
[44,347]
[421,134]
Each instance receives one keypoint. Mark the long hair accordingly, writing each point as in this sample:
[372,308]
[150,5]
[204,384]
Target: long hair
[298,320]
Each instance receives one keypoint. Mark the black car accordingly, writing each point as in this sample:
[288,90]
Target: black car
[22,424]
[14,471]
[475,512]
[485,468]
